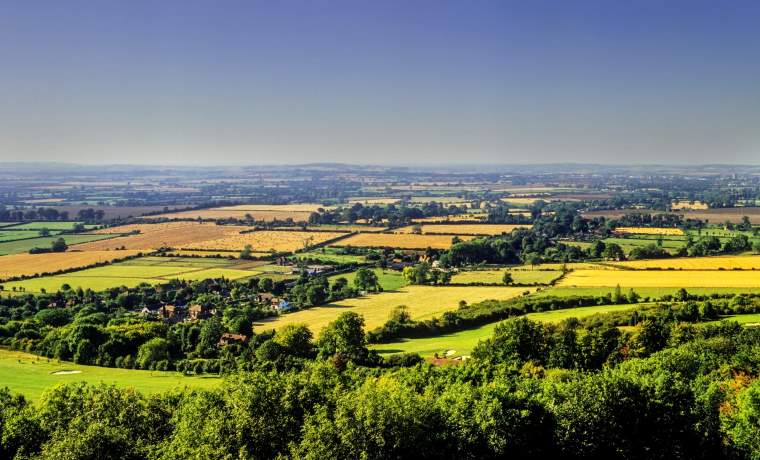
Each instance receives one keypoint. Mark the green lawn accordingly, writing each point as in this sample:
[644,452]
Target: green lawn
[31,375]
[390,280]
[329,256]
[463,342]
[15,247]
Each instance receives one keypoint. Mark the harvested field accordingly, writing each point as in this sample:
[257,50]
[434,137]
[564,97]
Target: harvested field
[650,231]
[463,229]
[676,278]
[115,212]
[167,234]
[31,264]
[695,205]
[401,241]
[260,212]
[696,263]
[336,228]
[267,241]
[423,302]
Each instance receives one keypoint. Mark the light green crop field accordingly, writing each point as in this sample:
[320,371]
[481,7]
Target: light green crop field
[151,270]
[31,375]
[423,302]
[390,280]
[329,256]
[7,224]
[50,225]
[15,247]
[462,342]
[496,276]
[13,235]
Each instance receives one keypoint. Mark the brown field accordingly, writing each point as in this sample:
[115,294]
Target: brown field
[713,215]
[167,234]
[266,241]
[31,264]
[463,229]
[401,241]
[233,212]
[115,212]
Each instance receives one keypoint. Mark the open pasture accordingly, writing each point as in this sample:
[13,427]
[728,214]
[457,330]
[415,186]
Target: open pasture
[13,235]
[423,302]
[167,234]
[675,278]
[461,343]
[400,241]
[267,241]
[390,280]
[50,225]
[31,375]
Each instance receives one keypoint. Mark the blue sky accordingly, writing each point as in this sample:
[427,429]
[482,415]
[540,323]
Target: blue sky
[380,81]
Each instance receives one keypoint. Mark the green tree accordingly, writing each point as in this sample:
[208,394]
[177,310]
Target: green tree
[507,278]
[152,351]
[296,340]
[345,338]
[366,280]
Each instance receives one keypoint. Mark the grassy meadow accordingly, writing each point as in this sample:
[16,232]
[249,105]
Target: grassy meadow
[31,375]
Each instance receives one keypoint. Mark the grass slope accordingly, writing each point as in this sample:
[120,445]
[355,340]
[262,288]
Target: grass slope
[31,375]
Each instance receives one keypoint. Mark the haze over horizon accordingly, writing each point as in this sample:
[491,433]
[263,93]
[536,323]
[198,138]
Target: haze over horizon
[424,82]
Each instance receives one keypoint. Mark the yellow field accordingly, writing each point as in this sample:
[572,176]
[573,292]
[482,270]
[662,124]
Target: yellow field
[338,228]
[463,229]
[687,205]
[697,263]
[645,278]
[229,254]
[454,218]
[401,241]
[167,234]
[31,264]
[650,231]
[424,302]
[266,241]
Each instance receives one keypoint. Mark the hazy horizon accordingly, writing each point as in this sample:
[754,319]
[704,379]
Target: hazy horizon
[380,83]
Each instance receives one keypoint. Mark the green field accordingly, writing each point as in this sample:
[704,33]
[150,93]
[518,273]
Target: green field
[152,270]
[15,247]
[50,225]
[13,235]
[31,375]
[463,342]
[496,276]
[390,280]
[330,255]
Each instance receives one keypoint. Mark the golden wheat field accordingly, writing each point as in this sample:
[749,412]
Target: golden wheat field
[696,263]
[463,229]
[650,231]
[647,278]
[266,241]
[423,302]
[31,264]
[453,218]
[166,234]
[400,241]
[337,228]
[698,205]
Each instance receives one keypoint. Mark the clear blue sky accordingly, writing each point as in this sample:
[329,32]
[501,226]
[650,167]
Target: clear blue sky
[620,81]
